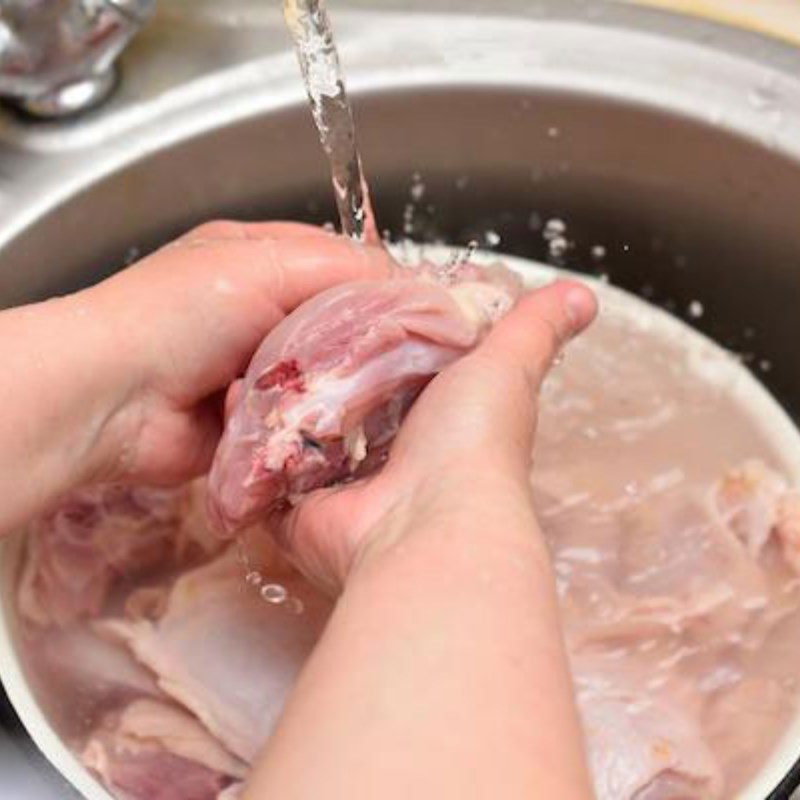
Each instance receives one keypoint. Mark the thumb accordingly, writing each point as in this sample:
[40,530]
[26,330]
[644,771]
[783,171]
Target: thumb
[482,410]
[532,335]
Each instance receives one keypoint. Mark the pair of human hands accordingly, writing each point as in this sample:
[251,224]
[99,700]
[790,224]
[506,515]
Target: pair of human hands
[183,323]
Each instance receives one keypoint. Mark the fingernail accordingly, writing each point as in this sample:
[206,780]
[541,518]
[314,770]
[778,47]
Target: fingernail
[581,307]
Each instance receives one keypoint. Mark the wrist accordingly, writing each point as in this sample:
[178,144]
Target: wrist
[443,519]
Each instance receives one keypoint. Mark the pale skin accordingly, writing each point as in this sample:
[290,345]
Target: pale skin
[442,672]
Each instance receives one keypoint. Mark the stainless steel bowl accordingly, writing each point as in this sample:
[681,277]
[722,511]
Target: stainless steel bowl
[671,143]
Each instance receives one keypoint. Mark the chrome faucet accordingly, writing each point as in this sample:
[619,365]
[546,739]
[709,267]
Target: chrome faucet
[57,56]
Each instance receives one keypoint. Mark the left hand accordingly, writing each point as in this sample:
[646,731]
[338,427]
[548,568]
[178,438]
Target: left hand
[188,319]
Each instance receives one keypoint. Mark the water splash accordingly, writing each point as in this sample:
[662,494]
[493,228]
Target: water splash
[314,42]
[696,309]
[599,252]
[274,594]
[555,234]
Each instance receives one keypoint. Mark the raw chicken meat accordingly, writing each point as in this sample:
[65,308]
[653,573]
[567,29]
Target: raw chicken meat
[98,535]
[674,555]
[684,561]
[787,529]
[758,504]
[757,705]
[679,591]
[233,792]
[81,675]
[88,540]
[226,654]
[327,390]
[661,587]
[640,745]
[748,500]
[155,751]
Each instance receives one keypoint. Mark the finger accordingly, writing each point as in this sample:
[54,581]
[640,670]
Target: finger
[232,396]
[533,334]
[482,409]
[194,435]
[300,267]
[282,230]
[321,534]
[232,230]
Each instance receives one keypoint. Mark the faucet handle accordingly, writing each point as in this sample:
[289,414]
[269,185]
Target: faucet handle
[57,56]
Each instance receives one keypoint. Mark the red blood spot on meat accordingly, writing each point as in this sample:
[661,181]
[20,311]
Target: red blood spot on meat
[285,375]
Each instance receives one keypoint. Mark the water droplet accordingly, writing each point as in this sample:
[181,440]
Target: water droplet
[749,333]
[132,254]
[590,433]
[626,247]
[417,190]
[493,238]
[295,605]
[765,365]
[558,247]
[559,359]
[462,181]
[553,132]
[408,219]
[241,553]
[696,309]
[598,252]
[329,227]
[554,228]
[274,593]
[254,578]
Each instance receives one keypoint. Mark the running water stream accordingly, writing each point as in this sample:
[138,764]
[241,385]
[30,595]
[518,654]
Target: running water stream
[311,30]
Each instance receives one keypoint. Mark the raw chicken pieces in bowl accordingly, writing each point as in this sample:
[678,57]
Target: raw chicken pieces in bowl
[162,652]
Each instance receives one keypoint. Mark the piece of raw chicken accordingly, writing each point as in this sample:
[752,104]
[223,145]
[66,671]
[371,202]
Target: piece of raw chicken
[641,745]
[80,675]
[101,534]
[225,653]
[758,505]
[153,750]
[328,388]
[685,562]
[664,574]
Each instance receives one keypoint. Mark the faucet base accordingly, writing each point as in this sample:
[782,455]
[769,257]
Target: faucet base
[71,98]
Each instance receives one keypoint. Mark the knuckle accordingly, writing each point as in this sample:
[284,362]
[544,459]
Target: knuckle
[216,230]
[550,334]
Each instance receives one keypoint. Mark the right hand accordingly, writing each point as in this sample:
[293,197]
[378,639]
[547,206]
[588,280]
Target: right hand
[463,453]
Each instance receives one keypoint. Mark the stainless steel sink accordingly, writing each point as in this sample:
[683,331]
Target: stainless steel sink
[673,144]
